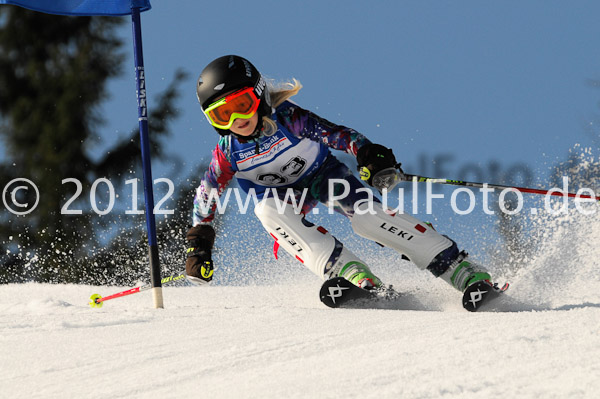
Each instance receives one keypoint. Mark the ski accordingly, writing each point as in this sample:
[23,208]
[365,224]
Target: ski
[479,294]
[339,292]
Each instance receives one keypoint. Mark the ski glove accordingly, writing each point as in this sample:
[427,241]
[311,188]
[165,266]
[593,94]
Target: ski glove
[199,265]
[372,159]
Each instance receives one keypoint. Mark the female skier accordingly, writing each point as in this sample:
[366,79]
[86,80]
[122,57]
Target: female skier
[276,148]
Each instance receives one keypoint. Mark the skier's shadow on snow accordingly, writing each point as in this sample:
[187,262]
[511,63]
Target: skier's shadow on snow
[403,302]
[578,306]
[506,304]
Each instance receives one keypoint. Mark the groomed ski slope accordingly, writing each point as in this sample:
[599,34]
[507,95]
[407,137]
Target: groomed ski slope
[274,339]
[279,341]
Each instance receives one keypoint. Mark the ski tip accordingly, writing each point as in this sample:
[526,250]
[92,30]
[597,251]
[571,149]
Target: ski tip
[478,294]
[339,292]
[94,301]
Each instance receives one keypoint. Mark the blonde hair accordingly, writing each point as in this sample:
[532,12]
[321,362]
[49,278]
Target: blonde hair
[279,94]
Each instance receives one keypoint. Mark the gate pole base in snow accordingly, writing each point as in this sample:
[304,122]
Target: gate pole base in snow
[155,279]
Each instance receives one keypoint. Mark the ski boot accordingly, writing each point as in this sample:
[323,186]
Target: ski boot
[355,286]
[360,275]
[463,272]
[473,281]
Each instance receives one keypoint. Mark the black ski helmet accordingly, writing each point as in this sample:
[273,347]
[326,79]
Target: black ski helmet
[229,73]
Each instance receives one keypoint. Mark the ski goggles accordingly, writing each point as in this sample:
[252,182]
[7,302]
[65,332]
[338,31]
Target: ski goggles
[240,104]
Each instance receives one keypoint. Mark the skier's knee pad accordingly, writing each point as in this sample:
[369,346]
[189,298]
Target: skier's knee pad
[312,245]
[404,233]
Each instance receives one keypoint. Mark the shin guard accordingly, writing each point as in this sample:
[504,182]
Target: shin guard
[312,245]
[401,232]
[424,246]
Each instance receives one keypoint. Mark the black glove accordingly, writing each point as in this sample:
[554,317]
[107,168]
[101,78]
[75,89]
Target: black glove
[373,158]
[199,265]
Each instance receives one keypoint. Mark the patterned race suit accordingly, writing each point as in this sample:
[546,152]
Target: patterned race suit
[296,157]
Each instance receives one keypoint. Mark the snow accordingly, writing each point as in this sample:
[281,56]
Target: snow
[280,341]
[253,337]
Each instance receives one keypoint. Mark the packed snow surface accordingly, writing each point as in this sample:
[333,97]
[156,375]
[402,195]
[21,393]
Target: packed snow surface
[280,341]
[254,337]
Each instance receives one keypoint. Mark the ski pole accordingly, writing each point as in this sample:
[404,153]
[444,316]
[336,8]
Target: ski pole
[390,177]
[423,179]
[97,300]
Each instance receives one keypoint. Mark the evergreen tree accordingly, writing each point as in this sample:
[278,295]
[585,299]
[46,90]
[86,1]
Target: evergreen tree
[54,72]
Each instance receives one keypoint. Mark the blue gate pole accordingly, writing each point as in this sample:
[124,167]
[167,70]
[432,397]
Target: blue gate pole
[140,81]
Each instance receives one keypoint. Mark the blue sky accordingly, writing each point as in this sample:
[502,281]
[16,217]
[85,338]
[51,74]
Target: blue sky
[464,83]
[466,89]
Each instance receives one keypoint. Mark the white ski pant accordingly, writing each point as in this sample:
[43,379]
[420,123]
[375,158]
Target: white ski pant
[324,255]
[404,233]
[310,244]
